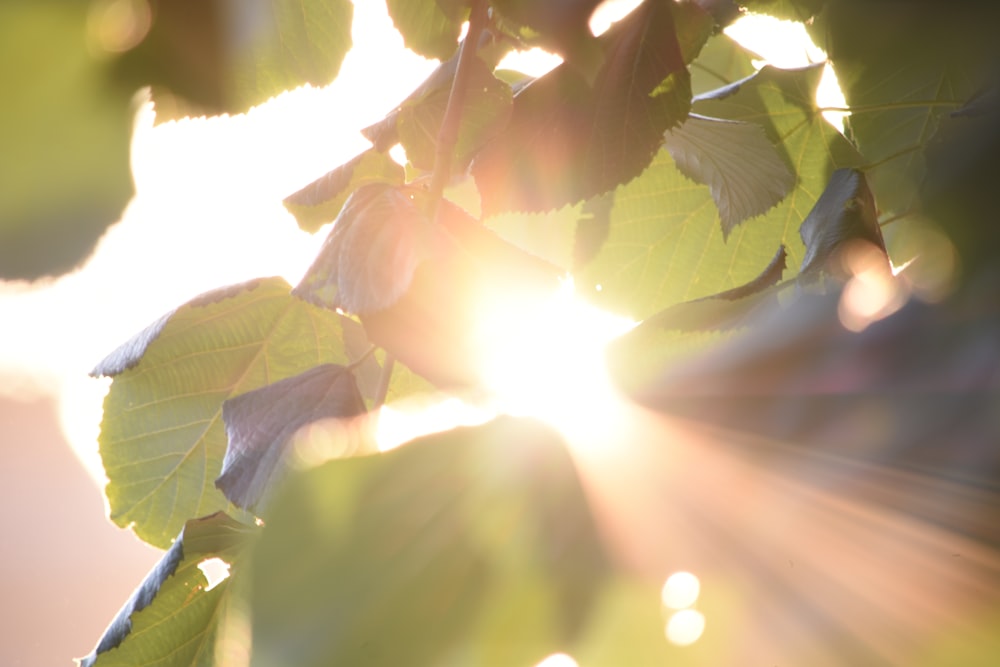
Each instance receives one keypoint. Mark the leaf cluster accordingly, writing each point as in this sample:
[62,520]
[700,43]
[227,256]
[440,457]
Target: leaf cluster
[676,183]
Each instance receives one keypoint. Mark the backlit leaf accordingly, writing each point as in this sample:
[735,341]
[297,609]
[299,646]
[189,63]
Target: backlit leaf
[486,109]
[162,438]
[172,617]
[261,423]
[475,545]
[429,27]
[568,140]
[744,172]
[664,229]
[929,58]
[319,202]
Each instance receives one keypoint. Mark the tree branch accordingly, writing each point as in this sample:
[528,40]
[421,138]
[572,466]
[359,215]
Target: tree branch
[448,133]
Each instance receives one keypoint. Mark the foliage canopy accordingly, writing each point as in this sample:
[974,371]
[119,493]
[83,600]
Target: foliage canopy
[708,200]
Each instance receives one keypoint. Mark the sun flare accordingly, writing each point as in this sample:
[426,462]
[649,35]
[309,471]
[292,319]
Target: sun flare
[546,360]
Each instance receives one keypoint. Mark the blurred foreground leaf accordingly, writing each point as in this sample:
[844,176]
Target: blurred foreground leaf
[475,546]
[65,128]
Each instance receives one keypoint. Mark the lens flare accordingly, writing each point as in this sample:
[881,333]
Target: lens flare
[546,360]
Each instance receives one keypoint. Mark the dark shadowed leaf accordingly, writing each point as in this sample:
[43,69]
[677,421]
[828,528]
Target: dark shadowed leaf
[744,172]
[65,128]
[558,27]
[368,260]
[929,58]
[429,27]
[172,617]
[568,141]
[844,212]
[319,202]
[475,545]
[162,437]
[261,423]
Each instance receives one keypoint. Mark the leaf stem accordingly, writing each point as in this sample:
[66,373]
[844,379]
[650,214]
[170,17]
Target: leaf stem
[891,106]
[448,133]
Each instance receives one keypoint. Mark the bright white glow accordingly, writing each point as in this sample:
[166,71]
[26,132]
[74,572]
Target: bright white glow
[680,590]
[546,360]
[403,421]
[533,62]
[558,660]
[685,627]
[786,44]
[608,12]
[873,292]
[215,570]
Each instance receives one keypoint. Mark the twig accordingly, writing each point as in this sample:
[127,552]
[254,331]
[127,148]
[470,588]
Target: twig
[448,134]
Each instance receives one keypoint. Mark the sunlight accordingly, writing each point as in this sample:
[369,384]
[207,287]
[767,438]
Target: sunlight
[405,420]
[215,570]
[873,292]
[685,627]
[786,44]
[546,360]
[680,590]
[558,660]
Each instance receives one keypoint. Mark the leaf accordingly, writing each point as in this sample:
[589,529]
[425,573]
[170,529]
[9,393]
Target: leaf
[486,109]
[720,62]
[429,27]
[475,545]
[319,202]
[65,129]
[568,141]
[162,438]
[686,328]
[929,59]
[844,212]
[261,423]
[172,617]
[559,27]
[664,244]
[242,55]
[741,167]
[368,260]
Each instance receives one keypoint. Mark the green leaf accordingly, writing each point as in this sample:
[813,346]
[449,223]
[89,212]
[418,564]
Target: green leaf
[485,111]
[65,128]
[899,88]
[229,57]
[720,62]
[664,244]
[172,618]
[568,141]
[162,437]
[744,172]
[261,423]
[319,202]
[476,546]
[429,27]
